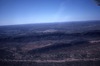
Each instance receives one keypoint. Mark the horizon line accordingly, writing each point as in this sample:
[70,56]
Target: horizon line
[49,22]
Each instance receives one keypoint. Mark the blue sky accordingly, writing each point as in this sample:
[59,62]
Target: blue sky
[44,11]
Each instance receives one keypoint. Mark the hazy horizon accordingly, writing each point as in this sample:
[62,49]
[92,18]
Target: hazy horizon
[53,22]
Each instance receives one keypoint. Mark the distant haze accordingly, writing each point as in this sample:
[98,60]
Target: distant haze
[45,11]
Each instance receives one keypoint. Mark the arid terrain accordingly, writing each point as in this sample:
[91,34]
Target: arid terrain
[51,44]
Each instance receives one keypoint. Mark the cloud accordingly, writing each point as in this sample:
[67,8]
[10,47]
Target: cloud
[59,12]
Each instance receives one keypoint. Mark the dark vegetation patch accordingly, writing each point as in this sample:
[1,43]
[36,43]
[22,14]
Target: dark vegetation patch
[74,63]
